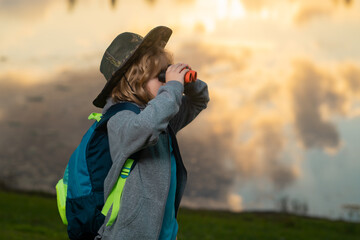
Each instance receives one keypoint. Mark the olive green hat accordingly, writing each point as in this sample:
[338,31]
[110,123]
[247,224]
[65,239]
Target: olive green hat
[122,52]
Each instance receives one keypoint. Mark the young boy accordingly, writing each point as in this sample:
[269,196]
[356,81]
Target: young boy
[151,196]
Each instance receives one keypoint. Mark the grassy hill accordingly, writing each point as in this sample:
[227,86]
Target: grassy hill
[35,216]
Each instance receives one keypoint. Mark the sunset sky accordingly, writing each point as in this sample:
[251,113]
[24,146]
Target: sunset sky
[284,82]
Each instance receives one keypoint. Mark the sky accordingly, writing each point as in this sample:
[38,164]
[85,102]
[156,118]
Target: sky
[283,121]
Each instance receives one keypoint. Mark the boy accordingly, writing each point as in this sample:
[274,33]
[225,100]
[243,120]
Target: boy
[151,196]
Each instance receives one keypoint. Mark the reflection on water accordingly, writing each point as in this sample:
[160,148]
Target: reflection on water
[284,81]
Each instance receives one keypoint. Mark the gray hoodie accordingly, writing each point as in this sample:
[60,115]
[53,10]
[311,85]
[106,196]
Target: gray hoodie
[145,192]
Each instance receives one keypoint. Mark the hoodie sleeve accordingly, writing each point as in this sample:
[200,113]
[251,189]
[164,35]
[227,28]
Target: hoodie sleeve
[194,101]
[129,132]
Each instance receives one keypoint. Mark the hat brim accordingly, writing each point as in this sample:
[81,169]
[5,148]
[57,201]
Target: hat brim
[157,36]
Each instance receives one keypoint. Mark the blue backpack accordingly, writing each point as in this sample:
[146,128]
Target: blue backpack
[80,193]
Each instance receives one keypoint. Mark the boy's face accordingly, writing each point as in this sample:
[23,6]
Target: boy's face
[153,86]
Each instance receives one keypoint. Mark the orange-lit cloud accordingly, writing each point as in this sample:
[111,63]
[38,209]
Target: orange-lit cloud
[252,141]
[227,145]
[307,13]
[351,76]
[257,5]
[311,10]
[40,126]
[213,59]
[298,11]
[311,89]
[24,9]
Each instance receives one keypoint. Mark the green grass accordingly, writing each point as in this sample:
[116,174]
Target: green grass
[33,216]
[29,216]
[249,226]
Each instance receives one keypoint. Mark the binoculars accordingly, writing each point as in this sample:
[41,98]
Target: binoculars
[190,76]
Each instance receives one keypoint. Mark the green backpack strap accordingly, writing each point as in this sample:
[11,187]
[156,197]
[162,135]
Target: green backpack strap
[95,116]
[114,197]
[61,192]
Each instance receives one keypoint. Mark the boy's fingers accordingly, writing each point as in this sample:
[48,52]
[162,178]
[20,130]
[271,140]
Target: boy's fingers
[184,67]
[183,73]
[173,67]
[177,66]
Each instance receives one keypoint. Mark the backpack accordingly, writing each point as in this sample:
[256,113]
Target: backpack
[80,193]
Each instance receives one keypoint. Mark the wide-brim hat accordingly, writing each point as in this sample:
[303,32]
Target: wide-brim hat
[122,52]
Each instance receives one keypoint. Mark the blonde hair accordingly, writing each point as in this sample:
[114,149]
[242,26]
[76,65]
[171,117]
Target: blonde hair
[140,72]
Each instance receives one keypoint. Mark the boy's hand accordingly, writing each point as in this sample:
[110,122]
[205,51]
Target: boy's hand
[176,72]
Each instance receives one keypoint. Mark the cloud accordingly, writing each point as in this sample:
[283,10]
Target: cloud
[206,152]
[270,137]
[351,74]
[252,141]
[218,157]
[24,9]
[311,10]
[41,125]
[257,5]
[312,89]
[306,13]
[235,202]
[261,155]
[214,59]
[302,12]
[266,93]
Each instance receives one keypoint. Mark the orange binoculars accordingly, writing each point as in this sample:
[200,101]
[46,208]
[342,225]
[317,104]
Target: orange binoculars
[190,76]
